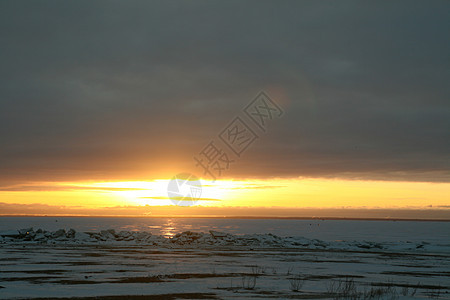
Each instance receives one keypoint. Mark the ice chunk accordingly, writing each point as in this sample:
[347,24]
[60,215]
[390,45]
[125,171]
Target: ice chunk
[71,233]
[59,233]
[81,236]
[218,234]
[26,231]
[109,234]
[10,233]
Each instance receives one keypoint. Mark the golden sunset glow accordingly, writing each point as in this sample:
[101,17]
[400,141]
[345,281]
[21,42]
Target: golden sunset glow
[288,193]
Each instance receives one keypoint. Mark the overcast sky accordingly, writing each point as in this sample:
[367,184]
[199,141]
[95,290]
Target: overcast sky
[126,90]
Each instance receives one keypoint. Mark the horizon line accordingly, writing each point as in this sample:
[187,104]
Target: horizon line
[239,217]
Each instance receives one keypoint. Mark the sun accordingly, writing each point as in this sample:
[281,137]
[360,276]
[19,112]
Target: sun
[155,193]
[137,192]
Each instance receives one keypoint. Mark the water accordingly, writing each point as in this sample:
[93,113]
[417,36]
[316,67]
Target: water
[328,230]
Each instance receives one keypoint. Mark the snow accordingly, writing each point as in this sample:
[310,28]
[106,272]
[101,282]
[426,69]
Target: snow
[201,240]
[67,263]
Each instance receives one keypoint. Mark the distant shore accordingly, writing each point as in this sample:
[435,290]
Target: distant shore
[240,217]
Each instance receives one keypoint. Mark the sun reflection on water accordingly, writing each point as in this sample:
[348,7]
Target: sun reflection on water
[169,229]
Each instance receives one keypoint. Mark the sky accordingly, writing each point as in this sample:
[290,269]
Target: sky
[102,103]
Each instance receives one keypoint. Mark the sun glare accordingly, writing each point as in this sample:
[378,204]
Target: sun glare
[295,192]
[155,192]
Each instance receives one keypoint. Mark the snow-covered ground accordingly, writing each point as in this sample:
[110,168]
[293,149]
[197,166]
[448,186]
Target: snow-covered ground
[67,263]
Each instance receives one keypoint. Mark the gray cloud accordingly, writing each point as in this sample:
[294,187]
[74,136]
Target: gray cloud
[117,89]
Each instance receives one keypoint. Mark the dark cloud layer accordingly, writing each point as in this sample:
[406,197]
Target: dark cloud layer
[92,90]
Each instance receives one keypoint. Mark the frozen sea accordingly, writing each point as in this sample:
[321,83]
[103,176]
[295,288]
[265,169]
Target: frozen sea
[434,232]
[388,259]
